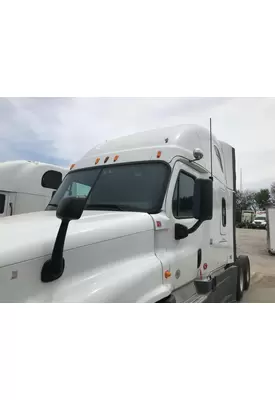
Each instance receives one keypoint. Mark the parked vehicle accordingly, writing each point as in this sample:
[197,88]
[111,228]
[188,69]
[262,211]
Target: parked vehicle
[148,217]
[271,230]
[260,220]
[27,186]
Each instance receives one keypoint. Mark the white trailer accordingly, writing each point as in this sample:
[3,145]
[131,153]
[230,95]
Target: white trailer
[248,215]
[270,214]
[27,186]
[148,217]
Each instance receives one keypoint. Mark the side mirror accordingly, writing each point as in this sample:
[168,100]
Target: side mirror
[70,208]
[203,200]
[181,232]
[51,179]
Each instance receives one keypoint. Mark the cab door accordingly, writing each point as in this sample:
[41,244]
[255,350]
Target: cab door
[185,254]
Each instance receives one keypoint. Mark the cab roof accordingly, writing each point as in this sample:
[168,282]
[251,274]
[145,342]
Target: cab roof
[171,141]
[164,144]
[23,176]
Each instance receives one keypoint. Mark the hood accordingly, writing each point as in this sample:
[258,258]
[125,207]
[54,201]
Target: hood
[28,236]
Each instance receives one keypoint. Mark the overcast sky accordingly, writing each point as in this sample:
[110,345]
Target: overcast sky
[61,130]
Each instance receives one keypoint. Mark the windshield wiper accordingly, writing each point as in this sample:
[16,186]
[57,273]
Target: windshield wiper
[105,206]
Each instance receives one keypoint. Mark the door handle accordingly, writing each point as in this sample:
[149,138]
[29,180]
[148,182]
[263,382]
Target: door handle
[199,258]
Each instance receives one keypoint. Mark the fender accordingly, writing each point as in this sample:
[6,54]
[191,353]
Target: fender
[134,280]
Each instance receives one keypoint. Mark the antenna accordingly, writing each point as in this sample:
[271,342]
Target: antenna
[241,180]
[211,149]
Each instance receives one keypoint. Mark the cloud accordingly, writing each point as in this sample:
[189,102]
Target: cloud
[63,129]
[22,137]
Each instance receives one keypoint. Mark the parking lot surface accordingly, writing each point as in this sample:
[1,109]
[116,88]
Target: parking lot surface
[253,243]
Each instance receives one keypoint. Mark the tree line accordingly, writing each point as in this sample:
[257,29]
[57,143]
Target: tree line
[255,200]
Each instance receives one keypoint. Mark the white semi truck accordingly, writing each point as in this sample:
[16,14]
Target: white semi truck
[27,186]
[148,217]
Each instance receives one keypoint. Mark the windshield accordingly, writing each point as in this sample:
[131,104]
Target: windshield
[123,187]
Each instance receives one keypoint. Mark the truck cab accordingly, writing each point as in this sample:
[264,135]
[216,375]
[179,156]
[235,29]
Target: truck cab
[148,217]
[22,186]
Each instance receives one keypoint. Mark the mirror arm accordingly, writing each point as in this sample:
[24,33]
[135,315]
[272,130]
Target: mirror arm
[57,253]
[54,267]
[195,227]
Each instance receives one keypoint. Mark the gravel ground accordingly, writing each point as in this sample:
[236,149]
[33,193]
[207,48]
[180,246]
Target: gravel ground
[253,243]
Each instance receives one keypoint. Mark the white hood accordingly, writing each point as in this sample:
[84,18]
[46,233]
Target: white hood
[29,236]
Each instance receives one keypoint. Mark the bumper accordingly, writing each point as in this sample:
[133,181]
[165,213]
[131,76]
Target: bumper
[259,226]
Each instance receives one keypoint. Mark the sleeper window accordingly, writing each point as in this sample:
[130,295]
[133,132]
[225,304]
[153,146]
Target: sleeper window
[218,154]
[223,212]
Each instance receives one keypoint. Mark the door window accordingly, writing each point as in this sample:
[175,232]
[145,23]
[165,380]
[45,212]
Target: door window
[2,203]
[183,196]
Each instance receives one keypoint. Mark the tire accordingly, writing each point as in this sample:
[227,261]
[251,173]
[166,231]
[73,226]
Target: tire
[247,275]
[240,284]
[170,299]
[244,263]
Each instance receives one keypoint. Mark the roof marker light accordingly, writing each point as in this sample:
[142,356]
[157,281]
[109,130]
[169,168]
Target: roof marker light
[72,166]
[116,158]
[97,160]
[158,154]
[106,159]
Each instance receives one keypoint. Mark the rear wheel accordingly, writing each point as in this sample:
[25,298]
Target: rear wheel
[244,263]
[247,277]
[240,283]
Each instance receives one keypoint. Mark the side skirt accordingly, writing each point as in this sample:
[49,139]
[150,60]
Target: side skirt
[220,288]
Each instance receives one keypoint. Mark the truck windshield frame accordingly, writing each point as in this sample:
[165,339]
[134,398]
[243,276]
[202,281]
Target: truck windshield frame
[136,186]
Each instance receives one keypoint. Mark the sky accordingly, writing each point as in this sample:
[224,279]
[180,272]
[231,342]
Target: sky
[61,130]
